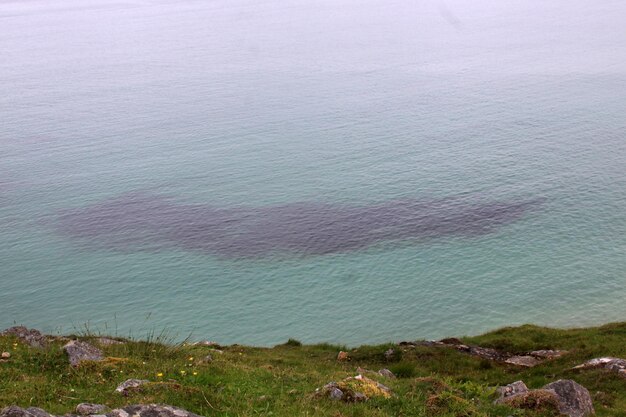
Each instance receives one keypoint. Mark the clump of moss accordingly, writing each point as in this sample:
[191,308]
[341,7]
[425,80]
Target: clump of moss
[539,400]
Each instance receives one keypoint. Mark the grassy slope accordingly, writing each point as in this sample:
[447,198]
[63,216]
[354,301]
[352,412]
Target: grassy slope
[248,381]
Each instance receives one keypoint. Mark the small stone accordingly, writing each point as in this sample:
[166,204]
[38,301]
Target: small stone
[335,394]
[130,384]
[209,343]
[359,397]
[389,354]
[343,356]
[527,361]
[451,341]
[6,355]
[207,359]
[107,341]
[547,353]
[386,373]
[510,390]
[85,409]
[82,351]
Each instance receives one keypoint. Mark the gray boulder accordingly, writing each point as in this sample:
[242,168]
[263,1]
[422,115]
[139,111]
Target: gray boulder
[78,352]
[33,338]
[574,399]
[15,411]
[85,409]
[38,412]
[150,410]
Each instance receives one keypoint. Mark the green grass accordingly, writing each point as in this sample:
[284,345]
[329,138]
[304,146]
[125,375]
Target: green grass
[280,381]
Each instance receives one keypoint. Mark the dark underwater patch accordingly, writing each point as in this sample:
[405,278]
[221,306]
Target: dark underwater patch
[139,222]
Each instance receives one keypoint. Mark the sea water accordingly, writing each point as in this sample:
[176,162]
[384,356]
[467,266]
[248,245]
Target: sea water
[343,171]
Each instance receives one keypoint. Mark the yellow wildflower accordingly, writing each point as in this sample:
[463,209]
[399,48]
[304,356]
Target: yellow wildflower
[160,374]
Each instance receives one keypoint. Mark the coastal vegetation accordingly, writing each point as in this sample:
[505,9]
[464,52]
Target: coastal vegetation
[455,377]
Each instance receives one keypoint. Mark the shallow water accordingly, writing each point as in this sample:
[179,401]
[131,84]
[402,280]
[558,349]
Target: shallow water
[346,171]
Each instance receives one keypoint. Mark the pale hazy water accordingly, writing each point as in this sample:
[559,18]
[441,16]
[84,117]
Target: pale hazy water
[345,171]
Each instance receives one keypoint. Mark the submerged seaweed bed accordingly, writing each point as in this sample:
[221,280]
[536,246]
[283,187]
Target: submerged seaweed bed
[208,379]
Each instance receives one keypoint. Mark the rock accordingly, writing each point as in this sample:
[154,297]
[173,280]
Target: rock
[547,354]
[386,373]
[118,412]
[82,351]
[451,341]
[207,359]
[574,399]
[107,341]
[383,372]
[209,343]
[430,343]
[342,356]
[510,390]
[612,364]
[15,411]
[85,409]
[38,412]
[150,410]
[332,391]
[353,389]
[130,384]
[485,353]
[390,354]
[527,361]
[33,338]
[6,355]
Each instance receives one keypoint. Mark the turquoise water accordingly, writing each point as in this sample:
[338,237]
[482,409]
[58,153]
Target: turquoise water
[342,171]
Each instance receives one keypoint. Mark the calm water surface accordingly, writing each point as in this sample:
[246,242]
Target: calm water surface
[343,171]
